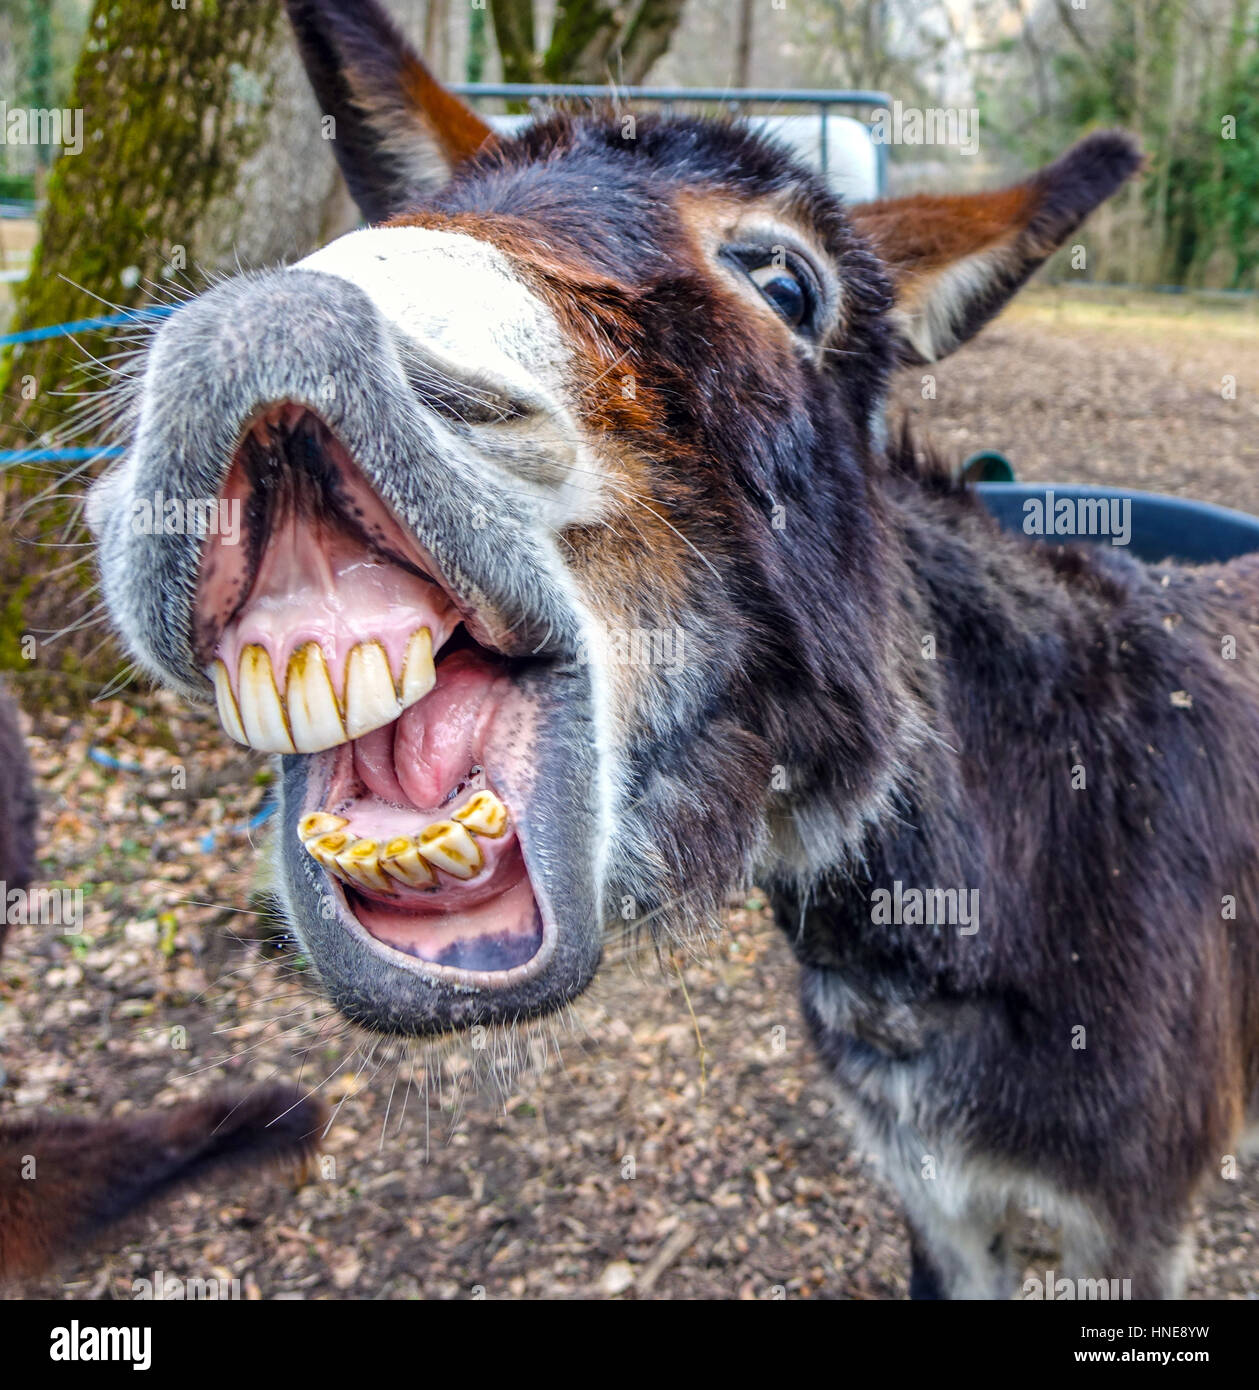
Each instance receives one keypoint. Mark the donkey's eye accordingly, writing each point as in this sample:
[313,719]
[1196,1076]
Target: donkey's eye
[783,290]
[786,281]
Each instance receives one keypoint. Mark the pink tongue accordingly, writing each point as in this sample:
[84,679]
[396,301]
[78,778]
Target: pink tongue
[431,748]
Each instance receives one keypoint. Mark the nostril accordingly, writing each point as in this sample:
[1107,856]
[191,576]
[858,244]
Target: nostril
[473,409]
[469,400]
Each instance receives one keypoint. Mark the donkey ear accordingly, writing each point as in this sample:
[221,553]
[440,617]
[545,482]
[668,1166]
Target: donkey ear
[957,260]
[398,132]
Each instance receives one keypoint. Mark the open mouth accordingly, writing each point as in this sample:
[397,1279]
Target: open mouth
[330,634]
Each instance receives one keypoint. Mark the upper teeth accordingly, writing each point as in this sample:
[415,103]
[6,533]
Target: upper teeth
[261,711]
[307,717]
[445,845]
[314,717]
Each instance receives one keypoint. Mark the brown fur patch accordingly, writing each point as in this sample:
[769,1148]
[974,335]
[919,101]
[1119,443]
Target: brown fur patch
[929,232]
[459,131]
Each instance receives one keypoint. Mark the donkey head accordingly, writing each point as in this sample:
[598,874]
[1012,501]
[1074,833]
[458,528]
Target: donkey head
[562,583]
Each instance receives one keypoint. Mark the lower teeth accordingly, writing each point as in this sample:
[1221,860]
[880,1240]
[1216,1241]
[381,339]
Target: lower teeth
[447,845]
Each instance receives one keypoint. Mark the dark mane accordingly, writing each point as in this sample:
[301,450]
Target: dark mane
[914,459]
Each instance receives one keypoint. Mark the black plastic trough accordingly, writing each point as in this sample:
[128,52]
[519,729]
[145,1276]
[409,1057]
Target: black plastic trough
[1160,527]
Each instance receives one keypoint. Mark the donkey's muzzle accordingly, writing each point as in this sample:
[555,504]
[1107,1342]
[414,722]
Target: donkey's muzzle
[385,613]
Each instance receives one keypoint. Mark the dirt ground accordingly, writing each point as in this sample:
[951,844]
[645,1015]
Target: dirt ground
[1107,388]
[674,1137]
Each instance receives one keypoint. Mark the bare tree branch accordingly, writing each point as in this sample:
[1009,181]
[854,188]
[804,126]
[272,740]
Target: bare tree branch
[646,38]
[1034,53]
[1077,34]
[743,45]
[581,38]
[592,41]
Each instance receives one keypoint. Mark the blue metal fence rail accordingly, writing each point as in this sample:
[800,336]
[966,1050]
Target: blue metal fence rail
[64,330]
[9,457]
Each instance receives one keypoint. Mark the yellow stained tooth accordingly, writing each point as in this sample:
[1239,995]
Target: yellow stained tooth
[419,675]
[229,715]
[449,846]
[324,850]
[261,712]
[485,814]
[319,823]
[314,718]
[370,699]
[401,860]
[362,863]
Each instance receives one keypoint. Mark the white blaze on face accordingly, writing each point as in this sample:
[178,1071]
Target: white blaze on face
[460,302]
[469,312]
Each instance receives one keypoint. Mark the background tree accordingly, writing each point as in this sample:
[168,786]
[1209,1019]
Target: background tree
[590,40]
[203,148]
[1182,76]
[743,46]
[39,46]
[478,45]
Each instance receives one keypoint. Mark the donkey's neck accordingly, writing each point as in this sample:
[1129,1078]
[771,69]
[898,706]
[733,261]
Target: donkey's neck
[993,646]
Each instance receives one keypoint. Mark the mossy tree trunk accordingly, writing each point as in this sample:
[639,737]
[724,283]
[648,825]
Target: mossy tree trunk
[203,149]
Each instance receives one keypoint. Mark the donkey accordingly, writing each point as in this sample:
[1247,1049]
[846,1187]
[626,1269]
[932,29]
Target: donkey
[619,376]
[66,1179]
